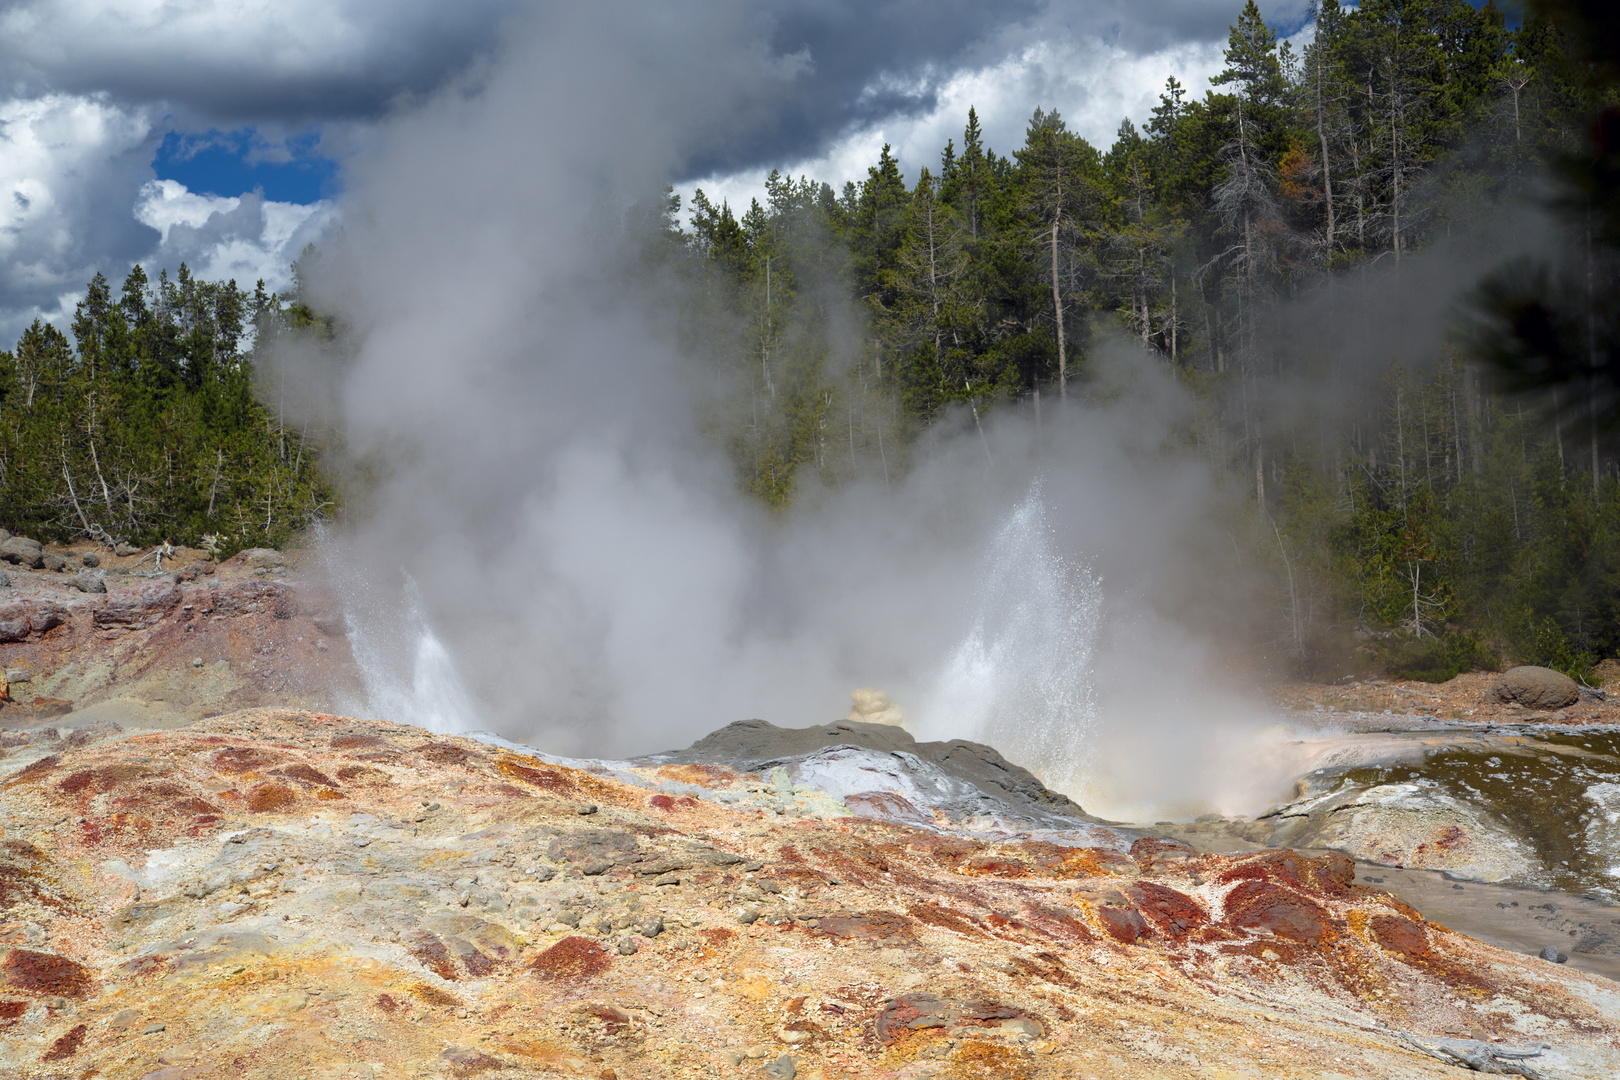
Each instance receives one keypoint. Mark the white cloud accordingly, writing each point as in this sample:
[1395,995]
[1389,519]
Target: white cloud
[68,164]
[1093,84]
[246,238]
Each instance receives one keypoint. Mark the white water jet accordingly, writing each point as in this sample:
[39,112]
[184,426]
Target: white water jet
[408,674]
[1022,678]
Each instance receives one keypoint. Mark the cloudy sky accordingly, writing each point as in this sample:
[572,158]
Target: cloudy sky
[220,132]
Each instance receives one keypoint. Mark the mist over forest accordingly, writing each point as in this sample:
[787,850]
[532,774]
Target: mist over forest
[1266,356]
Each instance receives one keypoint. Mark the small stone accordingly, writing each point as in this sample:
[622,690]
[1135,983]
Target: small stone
[124,551]
[87,583]
[5,580]
[152,1029]
[748,916]
[123,1019]
[652,927]
[782,1069]
[1552,955]
[735,1058]
[628,946]
[196,661]
[587,809]
[91,559]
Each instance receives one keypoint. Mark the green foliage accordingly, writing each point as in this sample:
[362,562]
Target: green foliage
[1436,659]
[150,429]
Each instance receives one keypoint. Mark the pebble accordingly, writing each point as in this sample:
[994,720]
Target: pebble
[124,1018]
[628,946]
[152,1029]
[1552,955]
[782,1069]
[652,927]
[748,916]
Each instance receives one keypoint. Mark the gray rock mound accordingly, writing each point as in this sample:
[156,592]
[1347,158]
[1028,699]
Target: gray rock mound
[958,777]
[1536,688]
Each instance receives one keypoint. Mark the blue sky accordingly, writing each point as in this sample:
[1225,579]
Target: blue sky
[228,163]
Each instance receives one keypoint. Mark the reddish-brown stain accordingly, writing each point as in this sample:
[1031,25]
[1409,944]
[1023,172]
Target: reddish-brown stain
[1262,905]
[430,952]
[306,773]
[46,973]
[1173,914]
[67,1045]
[1124,924]
[944,918]
[571,958]
[270,799]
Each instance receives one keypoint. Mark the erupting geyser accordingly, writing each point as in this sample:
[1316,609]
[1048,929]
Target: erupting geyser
[1022,678]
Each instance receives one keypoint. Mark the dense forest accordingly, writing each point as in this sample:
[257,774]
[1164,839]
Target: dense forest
[1426,517]
[1421,518]
[148,425]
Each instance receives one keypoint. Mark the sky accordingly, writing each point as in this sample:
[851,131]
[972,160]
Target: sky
[223,133]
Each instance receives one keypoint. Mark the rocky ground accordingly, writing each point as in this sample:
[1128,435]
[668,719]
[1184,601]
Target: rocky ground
[200,876]
[275,888]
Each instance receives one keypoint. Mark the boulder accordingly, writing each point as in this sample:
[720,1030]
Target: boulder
[91,559]
[1536,688]
[53,562]
[23,552]
[88,583]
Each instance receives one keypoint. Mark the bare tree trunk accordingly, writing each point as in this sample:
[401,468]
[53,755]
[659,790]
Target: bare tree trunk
[1321,135]
[74,495]
[1175,315]
[213,488]
[1057,311]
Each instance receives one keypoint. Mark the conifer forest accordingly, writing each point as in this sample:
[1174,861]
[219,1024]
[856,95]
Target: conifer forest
[1422,503]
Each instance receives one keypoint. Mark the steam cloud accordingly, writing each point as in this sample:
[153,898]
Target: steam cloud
[546,505]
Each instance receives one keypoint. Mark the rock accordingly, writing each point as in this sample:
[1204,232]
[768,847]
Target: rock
[628,946]
[1536,688]
[137,609]
[53,562]
[652,927]
[88,583]
[21,551]
[46,707]
[1552,955]
[5,534]
[5,580]
[875,707]
[260,558]
[91,559]
[782,1068]
[124,551]
[124,1018]
[152,1029]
